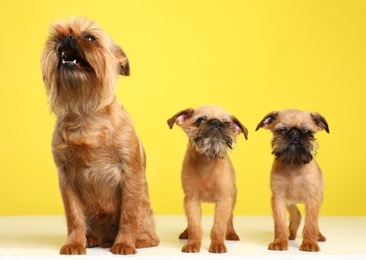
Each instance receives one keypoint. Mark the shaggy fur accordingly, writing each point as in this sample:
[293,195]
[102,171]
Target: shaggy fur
[208,174]
[295,176]
[99,157]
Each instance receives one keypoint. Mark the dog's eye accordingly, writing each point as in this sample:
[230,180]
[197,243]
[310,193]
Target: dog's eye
[200,120]
[307,131]
[90,38]
[282,130]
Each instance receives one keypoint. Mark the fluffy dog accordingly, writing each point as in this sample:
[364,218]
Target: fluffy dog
[99,157]
[208,174]
[295,176]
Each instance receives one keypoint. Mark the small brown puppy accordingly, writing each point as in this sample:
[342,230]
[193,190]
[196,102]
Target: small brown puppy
[99,157]
[208,174]
[295,176]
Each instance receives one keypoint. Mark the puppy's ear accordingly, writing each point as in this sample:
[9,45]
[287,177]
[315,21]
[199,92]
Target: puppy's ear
[180,117]
[240,127]
[320,121]
[123,63]
[267,120]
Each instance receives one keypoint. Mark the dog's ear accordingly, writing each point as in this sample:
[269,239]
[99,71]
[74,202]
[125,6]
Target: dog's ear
[180,117]
[240,127]
[123,63]
[267,120]
[320,121]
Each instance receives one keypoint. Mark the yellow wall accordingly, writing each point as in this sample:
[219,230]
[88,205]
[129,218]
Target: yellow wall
[249,57]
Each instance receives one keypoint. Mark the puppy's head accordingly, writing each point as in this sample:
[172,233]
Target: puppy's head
[80,65]
[210,129]
[293,134]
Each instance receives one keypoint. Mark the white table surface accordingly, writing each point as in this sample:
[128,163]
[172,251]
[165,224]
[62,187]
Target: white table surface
[40,237]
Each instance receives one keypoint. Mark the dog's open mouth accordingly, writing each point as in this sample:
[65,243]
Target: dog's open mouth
[71,58]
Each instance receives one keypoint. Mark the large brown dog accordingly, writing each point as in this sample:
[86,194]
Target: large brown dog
[99,158]
[208,174]
[295,175]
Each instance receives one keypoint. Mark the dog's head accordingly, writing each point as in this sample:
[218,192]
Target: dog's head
[210,129]
[80,64]
[293,134]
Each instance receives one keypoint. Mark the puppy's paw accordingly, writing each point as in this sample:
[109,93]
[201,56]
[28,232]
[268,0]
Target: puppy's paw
[232,236]
[278,245]
[309,246]
[147,243]
[217,247]
[73,249]
[91,241]
[122,249]
[191,247]
[321,238]
[184,234]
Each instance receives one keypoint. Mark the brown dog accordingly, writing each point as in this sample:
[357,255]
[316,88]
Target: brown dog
[208,174]
[99,158]
[295,176]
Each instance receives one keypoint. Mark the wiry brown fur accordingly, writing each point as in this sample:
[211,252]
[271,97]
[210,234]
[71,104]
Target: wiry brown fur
[99,157]
[208,174]
[295,176]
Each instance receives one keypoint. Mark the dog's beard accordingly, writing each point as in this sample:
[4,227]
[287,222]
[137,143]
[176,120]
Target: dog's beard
[298,153]
[213,143]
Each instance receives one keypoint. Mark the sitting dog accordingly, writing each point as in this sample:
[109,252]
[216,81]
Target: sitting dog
[208,174]
[99,157]
[295,176]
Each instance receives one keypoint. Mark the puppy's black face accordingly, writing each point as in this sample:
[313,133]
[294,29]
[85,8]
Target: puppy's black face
[214,137]
[293,145]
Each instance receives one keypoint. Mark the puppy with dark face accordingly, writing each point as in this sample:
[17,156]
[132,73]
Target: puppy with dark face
[295,176]
[99,157]
[208,174]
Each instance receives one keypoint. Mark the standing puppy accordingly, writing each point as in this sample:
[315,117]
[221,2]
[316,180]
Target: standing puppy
[295,176]
[208,174]
[99,157]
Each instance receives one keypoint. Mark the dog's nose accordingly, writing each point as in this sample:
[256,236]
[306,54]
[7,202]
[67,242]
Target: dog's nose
[294,134]
[215,123]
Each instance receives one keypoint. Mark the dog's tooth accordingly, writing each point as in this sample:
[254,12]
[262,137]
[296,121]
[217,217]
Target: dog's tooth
[74,61]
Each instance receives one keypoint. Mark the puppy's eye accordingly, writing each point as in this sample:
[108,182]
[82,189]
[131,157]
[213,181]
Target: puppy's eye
[307,131]
[200,120]
[90,38]
[282,130]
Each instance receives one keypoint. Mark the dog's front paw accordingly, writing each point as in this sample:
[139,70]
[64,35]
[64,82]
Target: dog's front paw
[122,249]
[309,246]
[191,247]
[278,245]
[73,249]
[217,247]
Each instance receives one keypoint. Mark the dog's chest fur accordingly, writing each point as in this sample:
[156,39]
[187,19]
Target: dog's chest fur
[208,180]
[90,161]
[297,183]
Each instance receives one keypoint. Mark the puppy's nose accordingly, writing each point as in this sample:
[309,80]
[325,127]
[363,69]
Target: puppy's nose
[294,134]
[215,122]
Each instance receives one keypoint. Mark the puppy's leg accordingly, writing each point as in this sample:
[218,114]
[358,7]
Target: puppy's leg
[311,230]
[76,239]
[218,231]
[230,232]
[281,231]
[147,236]
[131,187]
[193,212]
[295,219]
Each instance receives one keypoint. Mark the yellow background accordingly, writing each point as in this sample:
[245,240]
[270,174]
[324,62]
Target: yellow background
[250,57]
